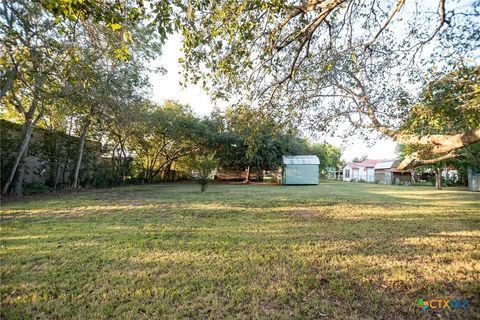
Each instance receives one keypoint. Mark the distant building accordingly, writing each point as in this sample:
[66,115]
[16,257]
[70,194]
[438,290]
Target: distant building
[360,171]
[333,173]
[386,172]
[300,170]
[381,168]
[473,180]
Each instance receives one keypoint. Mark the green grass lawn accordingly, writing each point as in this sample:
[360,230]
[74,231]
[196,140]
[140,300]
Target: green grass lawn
[333,251]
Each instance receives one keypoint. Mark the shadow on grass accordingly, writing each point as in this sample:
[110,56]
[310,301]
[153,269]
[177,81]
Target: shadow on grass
[211,257]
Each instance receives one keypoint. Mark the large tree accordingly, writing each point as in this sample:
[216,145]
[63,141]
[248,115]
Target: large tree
[250,140]
[329,155]
[449,104]
[332,62]
[77,61]
[160,135]
[32,57]
[341,64]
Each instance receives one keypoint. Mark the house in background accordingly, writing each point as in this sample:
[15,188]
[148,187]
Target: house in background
[386,172]
[381,169]
[397,176]
[360,171]
[300,170]
[350,172]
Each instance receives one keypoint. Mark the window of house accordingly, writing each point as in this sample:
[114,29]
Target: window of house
[347,173]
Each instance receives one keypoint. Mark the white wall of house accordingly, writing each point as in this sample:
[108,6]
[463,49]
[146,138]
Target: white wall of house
[370,175]
[361,173]
[356,174]
[347,173]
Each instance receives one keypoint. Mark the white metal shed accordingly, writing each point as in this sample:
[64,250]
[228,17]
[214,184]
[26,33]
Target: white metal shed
[298,170]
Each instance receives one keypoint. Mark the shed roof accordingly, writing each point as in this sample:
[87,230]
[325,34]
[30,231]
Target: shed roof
[398,170]
[385,164]
[307,159]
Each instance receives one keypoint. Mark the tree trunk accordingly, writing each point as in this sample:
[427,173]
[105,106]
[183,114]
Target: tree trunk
[64,167]
[65,180]
[260,175]
[114,168]
[145,170]
[19,159]
[124,162]
[438,179]
[80,149]
[202,188]
[57,173]
[18,182]
[247,178]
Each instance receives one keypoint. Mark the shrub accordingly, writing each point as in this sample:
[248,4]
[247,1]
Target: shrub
[34,188]
[202,165]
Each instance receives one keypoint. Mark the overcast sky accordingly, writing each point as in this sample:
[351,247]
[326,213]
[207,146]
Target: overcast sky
[167,87]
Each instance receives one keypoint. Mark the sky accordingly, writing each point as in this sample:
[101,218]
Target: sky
[168,87]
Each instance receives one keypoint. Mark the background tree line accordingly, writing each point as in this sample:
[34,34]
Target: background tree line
[149,143]
[79,68]
[78,85]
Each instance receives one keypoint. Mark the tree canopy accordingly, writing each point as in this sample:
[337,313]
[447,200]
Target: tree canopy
[60,66]
[336,64]
[448,105]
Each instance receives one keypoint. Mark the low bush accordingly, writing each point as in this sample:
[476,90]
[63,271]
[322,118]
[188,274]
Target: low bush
[35,187]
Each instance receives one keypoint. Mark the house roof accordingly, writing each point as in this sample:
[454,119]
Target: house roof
[369,163]
[304,159]
[364,164]
[351,165]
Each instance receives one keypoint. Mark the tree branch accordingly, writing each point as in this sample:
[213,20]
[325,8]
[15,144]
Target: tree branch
[442,143]
[414,160]
[397,8]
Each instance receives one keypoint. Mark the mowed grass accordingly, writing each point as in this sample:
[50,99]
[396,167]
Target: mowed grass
[333,251]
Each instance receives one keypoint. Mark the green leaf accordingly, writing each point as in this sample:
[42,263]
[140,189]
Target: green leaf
[115,26]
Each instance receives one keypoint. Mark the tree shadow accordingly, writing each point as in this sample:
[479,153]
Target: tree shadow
[220,258]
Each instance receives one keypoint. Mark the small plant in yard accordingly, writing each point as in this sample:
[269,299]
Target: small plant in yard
[203,165]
